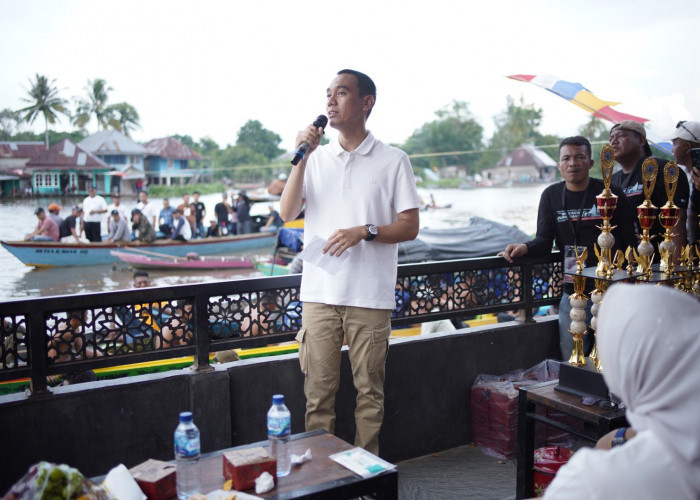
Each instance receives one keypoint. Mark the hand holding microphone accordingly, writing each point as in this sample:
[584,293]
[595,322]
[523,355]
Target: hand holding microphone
[320,122]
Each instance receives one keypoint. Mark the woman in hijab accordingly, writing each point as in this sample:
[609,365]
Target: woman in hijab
[649,344]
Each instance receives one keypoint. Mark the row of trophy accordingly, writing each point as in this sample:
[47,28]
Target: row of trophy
[686,278]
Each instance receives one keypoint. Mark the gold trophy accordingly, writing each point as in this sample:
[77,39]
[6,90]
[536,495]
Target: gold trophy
[578,302]
[597,297]
[669,217]
[646,213]
[607,202]
[688,260]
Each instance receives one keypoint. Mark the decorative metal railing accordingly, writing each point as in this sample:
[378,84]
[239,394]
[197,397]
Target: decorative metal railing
[58,335]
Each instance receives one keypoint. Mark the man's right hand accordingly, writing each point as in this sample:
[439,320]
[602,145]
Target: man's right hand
[310,135]
[514,250]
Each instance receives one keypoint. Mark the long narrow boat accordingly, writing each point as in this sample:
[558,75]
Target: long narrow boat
[53,254]
[142,261]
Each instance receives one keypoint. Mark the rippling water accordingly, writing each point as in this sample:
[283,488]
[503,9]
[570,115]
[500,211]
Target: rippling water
[515,206]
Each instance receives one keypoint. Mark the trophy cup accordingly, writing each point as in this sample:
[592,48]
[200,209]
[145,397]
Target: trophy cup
[607,202]
[688,260]
[597,297]
[578,302]
[646,213]
[669,217]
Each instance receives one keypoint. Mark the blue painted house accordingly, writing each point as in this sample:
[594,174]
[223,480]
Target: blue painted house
[126,157]
[169,160]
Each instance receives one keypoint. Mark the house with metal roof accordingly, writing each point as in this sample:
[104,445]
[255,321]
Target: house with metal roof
[13,158]
[68,168]
[526,163]
[169,160]
[121,153]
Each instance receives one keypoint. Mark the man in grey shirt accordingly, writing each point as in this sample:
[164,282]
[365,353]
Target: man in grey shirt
[118,229]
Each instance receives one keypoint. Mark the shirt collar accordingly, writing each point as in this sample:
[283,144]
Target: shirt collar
[362,149]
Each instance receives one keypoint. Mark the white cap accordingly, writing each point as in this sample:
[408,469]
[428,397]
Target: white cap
[690,131]
[282,177]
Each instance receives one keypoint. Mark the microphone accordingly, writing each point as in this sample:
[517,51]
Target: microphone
[299,154]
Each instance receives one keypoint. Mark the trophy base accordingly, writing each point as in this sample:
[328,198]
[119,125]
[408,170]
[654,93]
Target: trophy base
[584,381]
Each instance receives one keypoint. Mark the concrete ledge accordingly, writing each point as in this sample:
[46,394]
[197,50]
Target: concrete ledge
[97,425]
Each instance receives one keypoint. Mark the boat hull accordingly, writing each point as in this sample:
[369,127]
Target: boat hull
[55,254]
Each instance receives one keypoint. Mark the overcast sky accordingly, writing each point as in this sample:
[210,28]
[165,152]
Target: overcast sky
[204,68]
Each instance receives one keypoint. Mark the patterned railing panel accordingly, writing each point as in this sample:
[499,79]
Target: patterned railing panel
[51,335]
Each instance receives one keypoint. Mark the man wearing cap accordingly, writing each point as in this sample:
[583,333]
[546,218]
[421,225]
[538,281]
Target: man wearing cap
[141,228]
[277,186]
[119,232]
[182,230]
[629,141]
[46,228]
[116,205]
[93,208]
[687,137]
[72,226]
[213,231]
[54,209]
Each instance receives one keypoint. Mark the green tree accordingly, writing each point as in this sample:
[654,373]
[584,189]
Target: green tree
[455,130]
[518,124]
[124,117]
[10,122]
[255,137]
[43,100]
[208,147]
[186,140]
[95,104]
[594,129]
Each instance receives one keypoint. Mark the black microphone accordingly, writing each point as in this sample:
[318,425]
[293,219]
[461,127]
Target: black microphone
[299,154]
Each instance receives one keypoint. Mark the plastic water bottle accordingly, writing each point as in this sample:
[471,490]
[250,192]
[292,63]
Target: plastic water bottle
[187,452]
[279,425]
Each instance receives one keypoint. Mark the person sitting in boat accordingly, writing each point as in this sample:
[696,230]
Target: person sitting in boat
[118,229]
[142,230]
[165,218]
[71,228]
[177,330]
[147,208]
[54,210]
[274,221]
[214,230]
[182,231]
[46,228]
[277,186]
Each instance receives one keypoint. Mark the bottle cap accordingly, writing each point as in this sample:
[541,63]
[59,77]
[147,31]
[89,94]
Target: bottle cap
[186,417]
[278,399]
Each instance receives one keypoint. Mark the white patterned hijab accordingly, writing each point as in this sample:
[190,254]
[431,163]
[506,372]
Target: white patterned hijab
[649,344]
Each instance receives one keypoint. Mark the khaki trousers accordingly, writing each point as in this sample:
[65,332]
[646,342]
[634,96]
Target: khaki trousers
[320,341]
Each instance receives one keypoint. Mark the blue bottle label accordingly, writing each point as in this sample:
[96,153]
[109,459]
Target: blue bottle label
[187,447]
[278,426]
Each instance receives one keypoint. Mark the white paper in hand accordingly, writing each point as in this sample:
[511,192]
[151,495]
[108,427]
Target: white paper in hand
[313,254]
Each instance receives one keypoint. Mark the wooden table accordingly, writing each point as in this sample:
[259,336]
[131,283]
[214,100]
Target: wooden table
[597,421]
[319,478]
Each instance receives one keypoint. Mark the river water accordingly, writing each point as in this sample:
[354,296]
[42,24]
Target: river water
[513,206]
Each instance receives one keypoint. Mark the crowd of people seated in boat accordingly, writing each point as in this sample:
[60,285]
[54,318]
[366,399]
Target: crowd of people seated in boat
[147,222]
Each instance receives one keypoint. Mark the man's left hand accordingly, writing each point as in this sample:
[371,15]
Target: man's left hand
[342,239]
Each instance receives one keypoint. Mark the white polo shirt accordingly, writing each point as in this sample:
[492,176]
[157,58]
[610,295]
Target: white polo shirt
[150,211]
[96,202]
[370,185]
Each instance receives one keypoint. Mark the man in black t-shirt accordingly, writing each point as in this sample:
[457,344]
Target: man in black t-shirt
[629,141]
[685,138]
[199,212]
[68,226]
[568,216]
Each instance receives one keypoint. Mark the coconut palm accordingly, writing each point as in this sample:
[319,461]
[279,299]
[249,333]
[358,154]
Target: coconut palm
[124,117]
[95,104]
[43,100]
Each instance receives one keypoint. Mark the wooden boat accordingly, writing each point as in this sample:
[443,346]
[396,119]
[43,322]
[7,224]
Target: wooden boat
[191,261]
[52,254]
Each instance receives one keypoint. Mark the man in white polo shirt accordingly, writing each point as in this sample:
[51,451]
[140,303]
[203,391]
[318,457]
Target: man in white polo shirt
[360,197]
[94,206]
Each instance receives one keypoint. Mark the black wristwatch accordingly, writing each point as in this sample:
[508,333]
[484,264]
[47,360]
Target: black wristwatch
[372,232]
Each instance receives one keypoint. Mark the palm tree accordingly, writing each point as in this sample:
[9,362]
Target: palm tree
[43,100]
[124,117]
[95,104]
